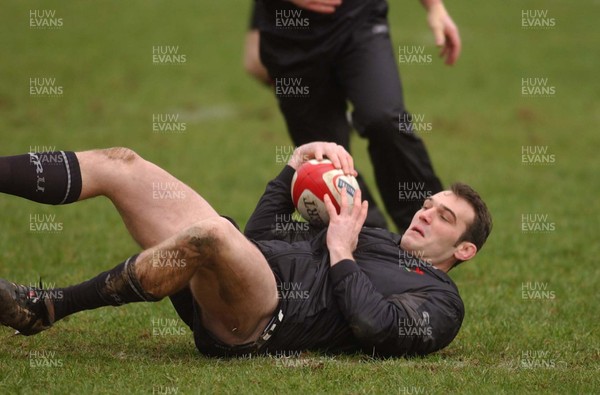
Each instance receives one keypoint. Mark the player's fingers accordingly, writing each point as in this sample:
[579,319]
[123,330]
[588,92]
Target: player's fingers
[449,56]
[344,200]
[353,171]
[438,34]
[326,3]
[445,54]
[320,7]
[339,157]
[318,152]
[334,155]
[359,212]
[330,207]
[346,161]
[356,203]
[453,44]
[364,210]
[443,51]
[455,53]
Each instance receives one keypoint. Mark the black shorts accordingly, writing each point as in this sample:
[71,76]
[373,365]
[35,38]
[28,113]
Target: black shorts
[307,316]
[210,346]
[207,343]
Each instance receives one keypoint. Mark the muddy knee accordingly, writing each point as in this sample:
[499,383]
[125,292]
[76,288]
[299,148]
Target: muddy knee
[207,237]
[120,154]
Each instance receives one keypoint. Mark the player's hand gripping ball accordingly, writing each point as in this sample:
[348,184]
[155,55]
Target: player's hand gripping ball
[312,181]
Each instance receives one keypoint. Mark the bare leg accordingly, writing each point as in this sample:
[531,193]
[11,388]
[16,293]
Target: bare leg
[227,274]
[154,205]
[186,244]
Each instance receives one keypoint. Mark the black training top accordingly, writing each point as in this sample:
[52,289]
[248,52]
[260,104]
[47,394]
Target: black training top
[386,302]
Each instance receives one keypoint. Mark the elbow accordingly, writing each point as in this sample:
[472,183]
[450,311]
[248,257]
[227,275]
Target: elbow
[367,330]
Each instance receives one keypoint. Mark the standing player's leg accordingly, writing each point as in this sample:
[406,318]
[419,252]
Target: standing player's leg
[318,115]
[369,75]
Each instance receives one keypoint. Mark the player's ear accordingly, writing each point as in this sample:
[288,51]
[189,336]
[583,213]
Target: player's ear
[465,250]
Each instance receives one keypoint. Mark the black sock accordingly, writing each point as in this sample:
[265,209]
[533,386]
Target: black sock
[111,288]
[45,177]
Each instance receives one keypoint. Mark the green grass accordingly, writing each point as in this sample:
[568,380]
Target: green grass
[102,58]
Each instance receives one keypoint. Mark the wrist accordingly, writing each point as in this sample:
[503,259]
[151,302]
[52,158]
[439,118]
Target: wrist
[338,254]
[429,4]
[297,159]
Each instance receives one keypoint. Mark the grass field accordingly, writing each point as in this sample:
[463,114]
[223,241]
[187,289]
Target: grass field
[531,297]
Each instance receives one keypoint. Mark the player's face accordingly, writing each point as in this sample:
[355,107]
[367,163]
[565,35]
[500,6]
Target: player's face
[437,227]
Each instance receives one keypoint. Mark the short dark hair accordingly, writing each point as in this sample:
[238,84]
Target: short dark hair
[477,231]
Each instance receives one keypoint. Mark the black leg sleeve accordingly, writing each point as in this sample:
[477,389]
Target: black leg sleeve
[45,177]
[115,287]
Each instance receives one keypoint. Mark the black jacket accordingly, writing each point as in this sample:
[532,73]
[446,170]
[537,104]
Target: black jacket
[386,302]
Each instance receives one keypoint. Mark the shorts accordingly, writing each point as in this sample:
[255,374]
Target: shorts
[307,316]
[207,343]
[210,346]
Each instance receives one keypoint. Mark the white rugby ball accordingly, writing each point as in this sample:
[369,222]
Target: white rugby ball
[312,181]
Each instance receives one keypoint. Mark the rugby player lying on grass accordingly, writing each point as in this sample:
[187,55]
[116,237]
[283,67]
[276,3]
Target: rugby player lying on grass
[356,288]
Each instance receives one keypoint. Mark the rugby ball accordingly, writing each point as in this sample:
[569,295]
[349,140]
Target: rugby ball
[312,181]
